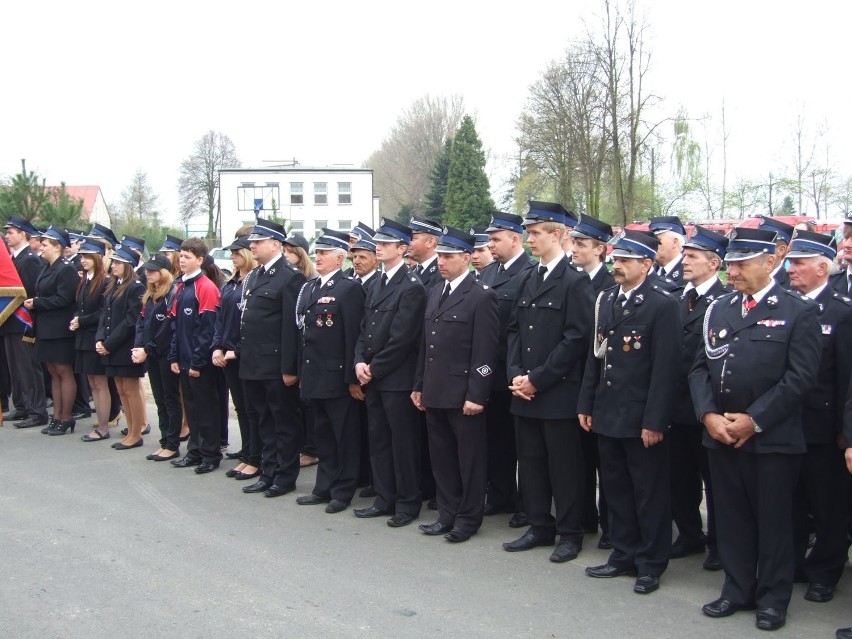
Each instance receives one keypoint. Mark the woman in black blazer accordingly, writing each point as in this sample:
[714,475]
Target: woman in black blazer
[114,341]
[90,298]
[53,308]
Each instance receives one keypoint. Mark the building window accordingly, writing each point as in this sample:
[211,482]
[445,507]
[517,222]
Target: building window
[297,192]
[248,192]
[320,224]
[297,225]
[320,192]
[345,225]
[344,192]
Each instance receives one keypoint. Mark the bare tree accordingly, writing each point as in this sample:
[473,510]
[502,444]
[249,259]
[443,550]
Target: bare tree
[198,185]
[138,201]
[804,144]
[745,196]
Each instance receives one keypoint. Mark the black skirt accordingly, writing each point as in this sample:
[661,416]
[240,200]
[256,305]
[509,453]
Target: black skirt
[89,363]
[55,351]
[131,370]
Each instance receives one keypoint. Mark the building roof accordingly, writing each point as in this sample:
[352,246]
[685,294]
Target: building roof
[88,194]
[298,169]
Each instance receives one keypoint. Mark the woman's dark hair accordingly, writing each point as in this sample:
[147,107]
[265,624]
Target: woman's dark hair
[128,276]
[213,272]
[98,276]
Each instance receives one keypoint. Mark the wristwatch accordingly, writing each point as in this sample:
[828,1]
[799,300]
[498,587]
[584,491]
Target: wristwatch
[757,429]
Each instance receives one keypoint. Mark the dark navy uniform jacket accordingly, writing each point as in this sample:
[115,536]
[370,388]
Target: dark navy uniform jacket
[193,315]
[54,302]
[117,327]
[603,279]
[153,326]
[89,309]
[431,276]
[763,364]
[226,333]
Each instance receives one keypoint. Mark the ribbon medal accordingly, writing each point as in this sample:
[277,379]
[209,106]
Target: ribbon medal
[328,321]
[626,347]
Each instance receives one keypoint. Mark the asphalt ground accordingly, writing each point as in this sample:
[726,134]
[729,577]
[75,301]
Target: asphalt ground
[102,543]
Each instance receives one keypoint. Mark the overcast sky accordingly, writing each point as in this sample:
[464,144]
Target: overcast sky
[95,90]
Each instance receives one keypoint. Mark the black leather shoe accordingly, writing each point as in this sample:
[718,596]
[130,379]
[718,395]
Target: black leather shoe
[529,540]
[401,519]
[604,543]
[278,491]
[435,529]
[186,462]
[843,633]
[457,535]
[368,492]
[712,561]
[565,551]
[120,446]
[646,584]
[231,473]
[241,476]
[771,618]
[608,571]
[724,608]
[367,513]
[14,416]
[31,422]
[819,593]
[311,500]
[257,487]
[165,457]
[336,506]
[432,504]
[235,455]
[205,467]
[683,548]
[518,520]
[490,510]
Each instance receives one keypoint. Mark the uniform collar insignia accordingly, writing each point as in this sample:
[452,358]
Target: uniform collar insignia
[675,275]
[638,299]
[772,301]
[271,271]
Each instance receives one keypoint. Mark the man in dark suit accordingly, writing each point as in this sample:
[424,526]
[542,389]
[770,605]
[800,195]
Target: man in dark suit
[511,262]
[455,371]
[385,361]
[672,235]
[481,259]
[702,256]
[821,490]
[784,235]
[760,359]
[548,338]
[25,370]
[359,232]
[269,356]
[590,237]
[332,310]
[626,398]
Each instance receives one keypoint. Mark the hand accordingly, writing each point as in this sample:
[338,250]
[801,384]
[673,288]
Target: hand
[194,373]
[138,355]
[100,350]
[470,408]
[717,427]
[289,380]
[416,400]
[28,304]
[521,387]
[651,437]
[218,358]
[849,459]
[175,368]
[362,372]
[230,355]
[740,427]
[356,392]
[75,324]
[585,422]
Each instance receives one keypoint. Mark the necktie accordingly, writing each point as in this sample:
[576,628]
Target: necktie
[542,269]
[445,294]
[748,303]
[692,298]
[620,300]
[418,269]
[475,274]
[384,280]
[500,269]
[849,284]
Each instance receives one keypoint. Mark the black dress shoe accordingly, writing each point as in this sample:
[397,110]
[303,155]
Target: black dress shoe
[31,422]
[367,513]
[604,543]
[518,520]
[529,540]
[231,473]
[14,416]
[565,551]
[819,593]
[186,462]
[205,467]
[241,476]
[278,491]
[258,487]
[336,506]
[843,633]
[368,492]
[311,500]
[646,584]
[457,535]
[724,608]
[401,519]
[491,510]
[159,458]
[435,529]
[770,618]
[712,561]
[684,548]
[235,455]
[608,571]
[120,446]
[432,504]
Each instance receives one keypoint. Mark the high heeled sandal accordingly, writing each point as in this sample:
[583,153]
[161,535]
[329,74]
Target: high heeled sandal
[61,427]
[117,419]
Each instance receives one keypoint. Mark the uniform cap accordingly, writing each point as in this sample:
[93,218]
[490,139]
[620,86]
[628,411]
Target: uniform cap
[591,228]
[664,223]
[393,231]
[784,231]
[455,240]
[267,230]
[745,243]
[810,244]
[707,240]
[330,239]
[636,244]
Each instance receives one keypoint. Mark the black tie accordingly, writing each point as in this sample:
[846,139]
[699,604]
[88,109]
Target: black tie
[500,269]
[692,299]
[475,274]
[542,269]
[620,300]
[418,269]
[445,294]
[384,279]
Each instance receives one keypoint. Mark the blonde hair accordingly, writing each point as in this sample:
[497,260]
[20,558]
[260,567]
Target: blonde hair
[549,227]
[248,258]
[159,290]
[304,263]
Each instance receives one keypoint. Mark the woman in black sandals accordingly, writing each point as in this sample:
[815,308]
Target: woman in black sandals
[90,298]
[114,341]
[53,308]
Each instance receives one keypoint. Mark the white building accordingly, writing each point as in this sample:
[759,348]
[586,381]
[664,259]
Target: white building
[305,198]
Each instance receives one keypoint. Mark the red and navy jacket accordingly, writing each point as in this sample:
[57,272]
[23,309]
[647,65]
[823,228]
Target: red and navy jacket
[193,314]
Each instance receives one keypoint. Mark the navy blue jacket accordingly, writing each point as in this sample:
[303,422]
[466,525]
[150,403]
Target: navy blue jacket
[154,327]
[193,314]
[226,334]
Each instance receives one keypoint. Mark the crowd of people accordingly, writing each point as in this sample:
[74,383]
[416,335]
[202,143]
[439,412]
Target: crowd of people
[450,367]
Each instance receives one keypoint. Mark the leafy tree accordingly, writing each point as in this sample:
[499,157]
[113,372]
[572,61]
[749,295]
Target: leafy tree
[60,209]
[198,184]
[404,214]
[138,200]
[438,192]
[787,206]
[468,200]
[24,195]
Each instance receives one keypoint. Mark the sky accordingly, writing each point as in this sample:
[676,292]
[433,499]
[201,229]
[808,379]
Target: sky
[94,91]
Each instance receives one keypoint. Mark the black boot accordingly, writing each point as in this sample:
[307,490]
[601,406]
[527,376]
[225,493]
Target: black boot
[51,424]
[61,427]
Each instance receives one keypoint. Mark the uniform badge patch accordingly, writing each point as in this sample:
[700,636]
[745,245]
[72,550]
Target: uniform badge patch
[160,317]
[484,370]
[826,329]
[187,311]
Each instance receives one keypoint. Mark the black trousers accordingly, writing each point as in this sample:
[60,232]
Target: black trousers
[337,436]
[27,376]
[165,386]
[502,453]
[594,500]
[821,492]
[458,447]
[224,408]
[550,460]
[280,429]
[114,399]
[365,472]
[5,380]
[201,401]
[636,480]
[394,450]
[753,497]
[246,413]
[690,481]
[308,447]
[427,476]
[84,393]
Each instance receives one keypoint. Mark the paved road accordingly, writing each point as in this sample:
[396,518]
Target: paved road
[102,543]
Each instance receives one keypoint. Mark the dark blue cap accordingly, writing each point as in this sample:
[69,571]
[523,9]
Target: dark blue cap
[156,262]
[480,237]
[745,243]
[75,235]
[546,212]
[300,241]
[455,241]
[361,231]
[393,231]
[784,231]
[92,247]
[136,243]
[21,224]
[591,228]
[501,221]
[365,244]
[58,235]
[125,254]
[425,225]
[267,230]
[707,240]
[101,232]
[330,239]
[810,244]
[636,244]
[665,223]
[171,243]
[242,242]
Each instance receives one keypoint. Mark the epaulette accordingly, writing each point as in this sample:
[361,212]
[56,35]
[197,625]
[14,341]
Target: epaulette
[798,296]
[843,299]
[484,286]
[661,290]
